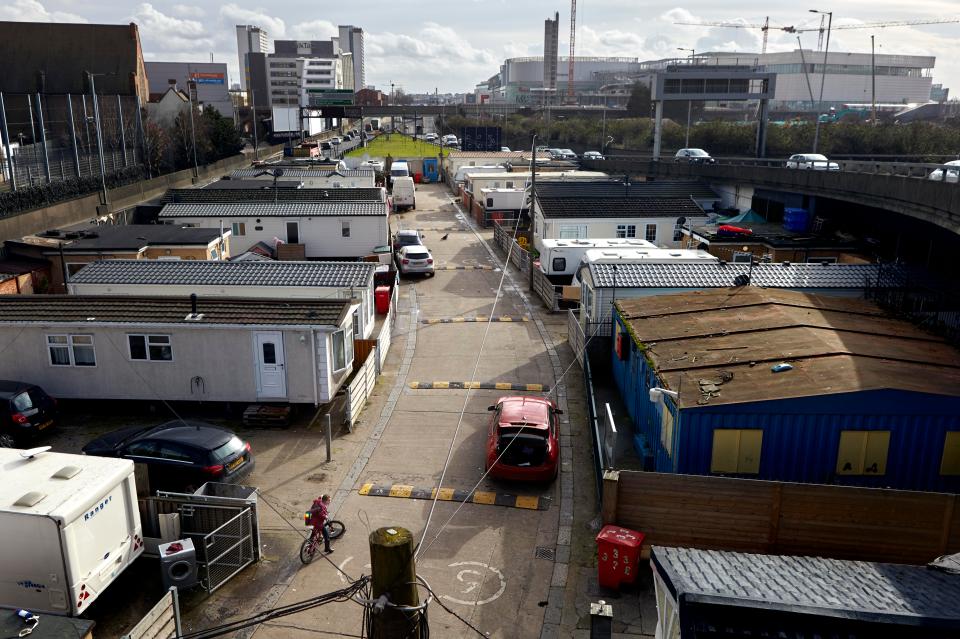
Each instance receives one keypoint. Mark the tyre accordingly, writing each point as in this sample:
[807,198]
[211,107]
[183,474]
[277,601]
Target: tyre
[335,529]
[308,552]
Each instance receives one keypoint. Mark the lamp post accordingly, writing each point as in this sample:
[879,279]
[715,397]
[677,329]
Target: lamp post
[96,119]
[823,76]
[686,139]
[191,89]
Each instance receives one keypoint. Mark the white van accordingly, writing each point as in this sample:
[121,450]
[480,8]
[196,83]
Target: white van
[399,168]
[404,194]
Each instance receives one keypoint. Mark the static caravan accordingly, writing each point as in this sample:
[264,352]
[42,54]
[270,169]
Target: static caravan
[70,526]
[563,257]
[295,351]
[312,178]
[499,206]
[352,281]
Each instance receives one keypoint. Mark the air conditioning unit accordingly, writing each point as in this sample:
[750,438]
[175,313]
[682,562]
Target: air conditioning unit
[178,564]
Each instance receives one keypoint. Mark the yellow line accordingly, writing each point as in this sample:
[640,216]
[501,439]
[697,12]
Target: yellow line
[400,490]
[529,502]
[457,319]
[472,385]
[365,489]
[481,318]
[414,384]
[441,384]
[506,319]
[446,494]
[534,387]
[484,497]
[503,386]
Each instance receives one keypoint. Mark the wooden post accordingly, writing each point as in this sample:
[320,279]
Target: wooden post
[611,483]
[394,573]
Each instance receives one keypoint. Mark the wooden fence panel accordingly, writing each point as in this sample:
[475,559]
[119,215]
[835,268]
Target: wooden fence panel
[806,519]
[159,623]
[361,349]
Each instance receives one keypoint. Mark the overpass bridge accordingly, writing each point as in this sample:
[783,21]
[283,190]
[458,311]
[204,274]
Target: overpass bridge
[903,188]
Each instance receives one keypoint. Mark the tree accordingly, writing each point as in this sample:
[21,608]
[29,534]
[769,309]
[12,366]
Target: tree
[157,148]
[222,134]
[638,106]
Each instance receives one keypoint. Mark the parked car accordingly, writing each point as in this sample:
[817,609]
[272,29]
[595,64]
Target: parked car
[430,137]
[523,442]
[335,141]
[415,259]
[179,454]
[813,161]
[542,149]
[947,174]
[505,149]
[555,154]
[450,140]
[567,154]
[693,156]
[592,155]
[326,146]
[406,237]
[404,194]
[25,410]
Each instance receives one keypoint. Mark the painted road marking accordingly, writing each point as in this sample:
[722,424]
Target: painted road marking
[484,497]
[446,267]
[505,386]
[478,318]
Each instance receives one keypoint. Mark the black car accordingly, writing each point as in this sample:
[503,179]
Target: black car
[179,455]
[25,410]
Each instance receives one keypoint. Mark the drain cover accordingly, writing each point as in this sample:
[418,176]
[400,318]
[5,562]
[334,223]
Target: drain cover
[543,552]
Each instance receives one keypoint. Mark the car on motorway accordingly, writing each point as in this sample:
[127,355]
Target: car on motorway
[450,140]
[179,454]
[693,156]
[415,259]
[335,141]
[431,137]
[555,154]
[592,155]
[523,439]
[505,149]
[811,161]
[567,154]
[25,411]
[950,172]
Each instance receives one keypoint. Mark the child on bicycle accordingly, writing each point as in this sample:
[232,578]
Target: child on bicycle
[318,519]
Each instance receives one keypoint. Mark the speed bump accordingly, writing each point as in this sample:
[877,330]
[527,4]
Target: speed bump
[483,497]
[478,318]
[447,267]
[504,386]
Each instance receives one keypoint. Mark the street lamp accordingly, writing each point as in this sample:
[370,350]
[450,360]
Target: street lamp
[686,139]
[96,119]
[823,76]
[191,89]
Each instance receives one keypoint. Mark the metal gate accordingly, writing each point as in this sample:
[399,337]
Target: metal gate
[227,550]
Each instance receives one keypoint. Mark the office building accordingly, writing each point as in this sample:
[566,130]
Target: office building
[351,41]
[551,38]
[211,79]
[250,39]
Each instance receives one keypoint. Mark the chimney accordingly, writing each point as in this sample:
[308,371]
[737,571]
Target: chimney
[193,316]
[173,84]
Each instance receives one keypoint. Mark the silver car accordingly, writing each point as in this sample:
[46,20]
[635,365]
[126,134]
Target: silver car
[949,173]
[415,259]
[813,161]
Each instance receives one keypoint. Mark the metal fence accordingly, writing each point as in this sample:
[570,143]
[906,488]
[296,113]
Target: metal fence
[934,310]
[47,138]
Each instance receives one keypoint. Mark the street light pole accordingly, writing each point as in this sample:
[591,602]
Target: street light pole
[96,121]
[191,87]
[823,77]
[686,139]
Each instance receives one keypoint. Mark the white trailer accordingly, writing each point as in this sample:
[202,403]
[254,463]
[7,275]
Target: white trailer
[70,525]
[563,257]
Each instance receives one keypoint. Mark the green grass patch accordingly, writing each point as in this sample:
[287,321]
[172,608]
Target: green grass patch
[396,146]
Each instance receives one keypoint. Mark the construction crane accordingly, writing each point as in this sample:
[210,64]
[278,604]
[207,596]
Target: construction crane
[573,42]
[765,27]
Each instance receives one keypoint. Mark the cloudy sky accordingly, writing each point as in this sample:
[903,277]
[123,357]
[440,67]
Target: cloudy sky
[451,45]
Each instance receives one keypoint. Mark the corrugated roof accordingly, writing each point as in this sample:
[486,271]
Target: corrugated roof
[271,209]
[616,189]
[516,155]
[93,309]
[835,345]
[212,195]
[305,172]
[812,586]
[589,207]
[718,275]
[201,273]
[130,237]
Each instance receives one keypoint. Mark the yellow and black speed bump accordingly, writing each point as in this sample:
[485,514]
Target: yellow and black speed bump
[438,229]
[464,268]
[542,388]
[528,502]
[478,318]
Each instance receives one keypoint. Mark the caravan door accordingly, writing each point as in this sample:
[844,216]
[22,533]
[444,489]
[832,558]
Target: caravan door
[271,376]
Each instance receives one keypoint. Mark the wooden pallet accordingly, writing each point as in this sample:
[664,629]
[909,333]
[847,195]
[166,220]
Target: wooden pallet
[262,415]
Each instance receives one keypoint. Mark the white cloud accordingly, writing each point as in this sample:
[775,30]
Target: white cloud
[167,33]
[33,11]
[314,30]
[234,15]
[188,11]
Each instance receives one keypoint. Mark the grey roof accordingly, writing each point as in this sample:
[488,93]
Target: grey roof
[718,275]
[589,207]
[281,209]
[213,195]
[200,273]
[258,185]
[616,189]
[129,237]
[813,586]
[94,309]
[306,172]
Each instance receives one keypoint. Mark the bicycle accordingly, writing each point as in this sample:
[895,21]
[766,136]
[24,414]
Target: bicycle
[308,548]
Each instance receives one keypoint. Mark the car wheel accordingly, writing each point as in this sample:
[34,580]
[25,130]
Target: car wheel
[7,441]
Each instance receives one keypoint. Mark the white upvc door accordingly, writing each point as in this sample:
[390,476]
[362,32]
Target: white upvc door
[271,374]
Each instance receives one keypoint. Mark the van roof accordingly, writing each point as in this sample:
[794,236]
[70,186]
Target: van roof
[58,485]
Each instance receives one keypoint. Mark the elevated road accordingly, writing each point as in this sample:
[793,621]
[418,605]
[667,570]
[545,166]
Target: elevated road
[899,187]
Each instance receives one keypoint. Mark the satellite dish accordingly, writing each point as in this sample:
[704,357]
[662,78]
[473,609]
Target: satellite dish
[681,220]
[33,452]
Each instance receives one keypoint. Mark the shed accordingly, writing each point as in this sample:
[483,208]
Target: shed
[150,348]
[351,281]
[867,400]
[707,594]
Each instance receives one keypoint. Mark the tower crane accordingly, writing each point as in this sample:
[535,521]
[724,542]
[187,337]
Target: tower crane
[765,27]
[573,41]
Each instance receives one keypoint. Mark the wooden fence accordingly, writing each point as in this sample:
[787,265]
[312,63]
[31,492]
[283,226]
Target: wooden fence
[522,259]
[360,388]
[369,356]
[747,515]
[162,622]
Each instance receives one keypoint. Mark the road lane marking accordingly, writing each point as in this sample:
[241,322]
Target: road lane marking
[481,497]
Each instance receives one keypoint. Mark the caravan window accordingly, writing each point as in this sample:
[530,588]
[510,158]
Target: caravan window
[559,264]
[626,230]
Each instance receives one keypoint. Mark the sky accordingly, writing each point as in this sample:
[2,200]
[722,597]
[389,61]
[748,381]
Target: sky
[452,45]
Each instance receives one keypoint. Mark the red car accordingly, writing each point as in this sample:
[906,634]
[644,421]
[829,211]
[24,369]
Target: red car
[528,429]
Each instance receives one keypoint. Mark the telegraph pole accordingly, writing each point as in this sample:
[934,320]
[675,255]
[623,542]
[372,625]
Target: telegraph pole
[393,579]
